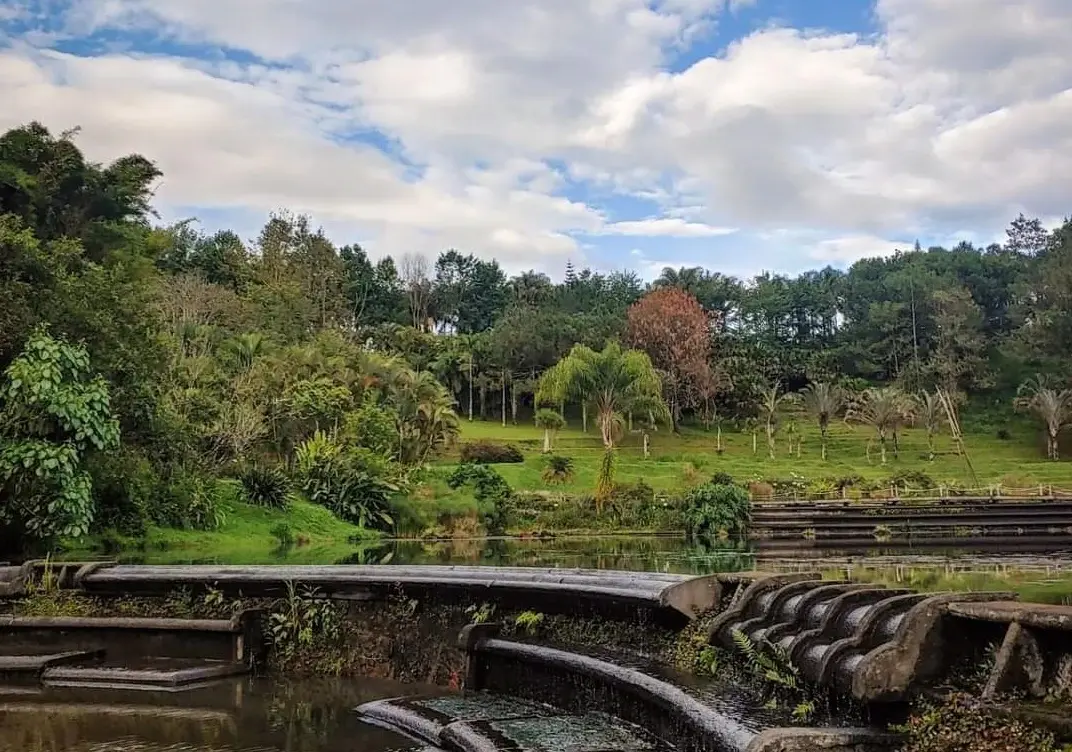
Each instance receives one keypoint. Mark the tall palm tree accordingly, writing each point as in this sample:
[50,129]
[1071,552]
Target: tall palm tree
[882,409]
[824,401]
[1050,404]
[615,382]
[770,399]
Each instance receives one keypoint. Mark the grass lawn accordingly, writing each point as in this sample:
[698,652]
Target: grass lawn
[245,537]
[679,460]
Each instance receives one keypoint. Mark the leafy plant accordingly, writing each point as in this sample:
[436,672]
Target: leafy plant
[717,510]
[265,486]
[346,482]
[964,724]
[551,422]
[557,470]
[52,414]
[283,535]
[771,665]
[490,453]
[481,614]
[300,620]
[491,490]
[529,622]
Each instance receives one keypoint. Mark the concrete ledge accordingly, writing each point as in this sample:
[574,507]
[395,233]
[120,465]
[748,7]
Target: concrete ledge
[824,740]
[621,594]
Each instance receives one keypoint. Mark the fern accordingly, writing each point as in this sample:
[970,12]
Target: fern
[774,666]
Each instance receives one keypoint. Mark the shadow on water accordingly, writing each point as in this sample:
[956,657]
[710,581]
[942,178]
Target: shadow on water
[251,716]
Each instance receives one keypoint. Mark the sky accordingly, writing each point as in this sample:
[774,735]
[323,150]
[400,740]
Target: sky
[739,135]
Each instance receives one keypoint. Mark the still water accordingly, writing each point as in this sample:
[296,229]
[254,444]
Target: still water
[1039,569]
[242,715]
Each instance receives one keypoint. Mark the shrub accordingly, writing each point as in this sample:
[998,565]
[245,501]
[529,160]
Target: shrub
[717,509]
[265,486]
[352,483]
[125,486]
[191,501]
[557,470]
[283,535]
[963,724]
[492,492]
[1004,434]
[722,479]
[490,453]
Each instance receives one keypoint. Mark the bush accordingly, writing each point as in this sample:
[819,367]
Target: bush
[191,501]
[722,479]
[963,724]
[265,486]
[1004,434]
[283,535]
[490,453]
[125,486]
[492,492]
[717,509]
[557,470]
[910,479]
[352,483]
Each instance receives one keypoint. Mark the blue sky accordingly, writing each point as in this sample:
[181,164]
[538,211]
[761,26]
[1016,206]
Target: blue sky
[741,135]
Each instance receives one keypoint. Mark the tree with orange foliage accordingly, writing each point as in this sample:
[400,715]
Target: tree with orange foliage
[672,327]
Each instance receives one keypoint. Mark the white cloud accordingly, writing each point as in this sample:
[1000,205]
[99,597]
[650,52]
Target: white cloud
[955,115]
[665,227]
[853,248]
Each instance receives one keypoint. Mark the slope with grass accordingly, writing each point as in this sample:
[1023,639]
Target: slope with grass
[677,461]
[303,533]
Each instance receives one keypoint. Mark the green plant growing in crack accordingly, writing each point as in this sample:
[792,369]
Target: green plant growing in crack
[481,614]
[529,622]
[772,666]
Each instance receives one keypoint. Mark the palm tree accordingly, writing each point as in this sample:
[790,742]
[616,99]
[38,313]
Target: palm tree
[550,421]
[824,401]
[929,412]
[614,382]
[1053,406]
[884,410]
[770,400]
[425,418]
[247,347]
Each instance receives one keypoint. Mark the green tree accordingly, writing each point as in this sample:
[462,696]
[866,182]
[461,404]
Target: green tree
[824,401]
[53,413]
[883,410]
[614,382]
[551,422]
[1051,405]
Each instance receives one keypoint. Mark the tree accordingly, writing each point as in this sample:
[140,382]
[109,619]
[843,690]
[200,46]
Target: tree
[929,412]
[958,360]
[53,413]
[824,401]
[414,272]
[551,422]
[671,326]
[615,382]
[883,409]
[1051,405]
[770,400]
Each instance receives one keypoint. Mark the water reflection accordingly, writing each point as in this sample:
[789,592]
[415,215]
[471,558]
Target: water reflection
[238,716]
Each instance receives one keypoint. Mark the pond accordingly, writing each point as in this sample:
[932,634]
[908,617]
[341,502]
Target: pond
[241,715]
[1037,569]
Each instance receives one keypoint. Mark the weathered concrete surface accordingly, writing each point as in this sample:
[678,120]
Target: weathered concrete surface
[158,675]
[824,740]
[915,653]
[1038,615]
[562,589]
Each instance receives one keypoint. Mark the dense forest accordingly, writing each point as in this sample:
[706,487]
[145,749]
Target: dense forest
[143,361]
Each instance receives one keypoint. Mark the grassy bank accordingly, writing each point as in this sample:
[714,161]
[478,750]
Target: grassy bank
[303,533]
[1002,449]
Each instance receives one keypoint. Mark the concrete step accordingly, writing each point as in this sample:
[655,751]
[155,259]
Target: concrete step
[151,674]
[34,663]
